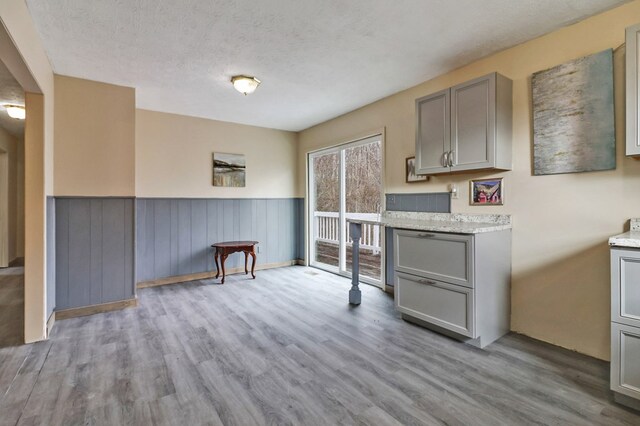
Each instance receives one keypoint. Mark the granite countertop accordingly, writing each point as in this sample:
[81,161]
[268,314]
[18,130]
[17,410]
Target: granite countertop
[628,239]
[456,223]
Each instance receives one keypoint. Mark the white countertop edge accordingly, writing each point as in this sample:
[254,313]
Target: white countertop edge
[453,227]
[629,239]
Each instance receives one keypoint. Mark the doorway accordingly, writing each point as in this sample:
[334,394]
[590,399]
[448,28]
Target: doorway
[345,182]
[12,217]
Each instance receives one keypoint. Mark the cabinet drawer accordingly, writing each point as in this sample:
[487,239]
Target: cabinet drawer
[625,286]
[443,257]
[625,359]
[445,305]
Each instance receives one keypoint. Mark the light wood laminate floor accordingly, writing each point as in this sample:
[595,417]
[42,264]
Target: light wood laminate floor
[11,306]
[286,348]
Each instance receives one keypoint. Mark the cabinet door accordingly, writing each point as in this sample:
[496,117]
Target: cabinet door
[625,360]
[440,256]
[633,90]
[445,305]
[432,133]
[473,124]
[625,286]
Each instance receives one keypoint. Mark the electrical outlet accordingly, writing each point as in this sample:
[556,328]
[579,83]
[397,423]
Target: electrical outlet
[392,199]
[258,249]
[453,189]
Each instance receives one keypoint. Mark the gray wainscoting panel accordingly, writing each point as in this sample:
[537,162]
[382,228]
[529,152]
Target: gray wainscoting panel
[437,202]
[94,240]
[51,255]
[300,228]
[174,235]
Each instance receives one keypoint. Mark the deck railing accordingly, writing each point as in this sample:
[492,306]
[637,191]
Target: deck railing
[327,229]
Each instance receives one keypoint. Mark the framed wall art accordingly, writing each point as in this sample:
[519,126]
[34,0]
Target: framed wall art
[410,170]
[228,169]
[486,192]
[573,117]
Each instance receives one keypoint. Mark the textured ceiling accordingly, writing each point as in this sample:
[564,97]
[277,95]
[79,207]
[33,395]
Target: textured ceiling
[10,93]
[317,59]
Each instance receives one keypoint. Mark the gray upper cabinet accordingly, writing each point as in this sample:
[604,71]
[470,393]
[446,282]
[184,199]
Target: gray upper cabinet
[633,80]
[466,127]
[433,130]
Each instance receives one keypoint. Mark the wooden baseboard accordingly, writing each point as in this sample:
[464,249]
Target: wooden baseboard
[50,322]
[301,262]
[96,309]
[209,274]
[388,288]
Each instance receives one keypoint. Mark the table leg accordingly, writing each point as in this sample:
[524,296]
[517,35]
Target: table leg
[246,258]
[216,256]
[253,264]
[223,259]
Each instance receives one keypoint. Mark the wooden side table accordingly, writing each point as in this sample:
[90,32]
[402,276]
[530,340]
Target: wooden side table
[224,249]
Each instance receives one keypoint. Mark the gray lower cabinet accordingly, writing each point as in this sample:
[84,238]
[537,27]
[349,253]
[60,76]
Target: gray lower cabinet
[625,324]
[457,284]
[465,127]
[633,90]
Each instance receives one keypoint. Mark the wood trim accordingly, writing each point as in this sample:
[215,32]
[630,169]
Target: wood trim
[18,261]
[209,274]
[4,209]
[96,309]
[50,323]
[12,59]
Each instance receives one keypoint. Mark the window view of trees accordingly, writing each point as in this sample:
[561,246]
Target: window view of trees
[363,180]
[363,187]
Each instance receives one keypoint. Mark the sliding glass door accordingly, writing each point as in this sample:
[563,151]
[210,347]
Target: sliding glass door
[346,182]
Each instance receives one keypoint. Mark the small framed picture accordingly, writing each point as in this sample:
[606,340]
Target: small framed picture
[486,192]
[411,172]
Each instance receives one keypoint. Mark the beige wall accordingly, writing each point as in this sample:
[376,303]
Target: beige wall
[95,138]
[38,159]
[20,201]
[560,286]
[35,289]
[173,157]
[14,149]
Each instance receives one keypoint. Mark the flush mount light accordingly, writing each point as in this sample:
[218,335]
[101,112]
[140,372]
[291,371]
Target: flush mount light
[245,84]
[16,111]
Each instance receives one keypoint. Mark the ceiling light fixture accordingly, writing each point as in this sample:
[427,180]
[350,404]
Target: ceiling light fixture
[245,84]
[16,111]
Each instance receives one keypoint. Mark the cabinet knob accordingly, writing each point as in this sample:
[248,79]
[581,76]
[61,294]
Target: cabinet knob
[429,282]
[425,235]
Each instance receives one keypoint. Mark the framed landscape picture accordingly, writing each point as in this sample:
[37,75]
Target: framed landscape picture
[411,175]
[486,192]
[228,169]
